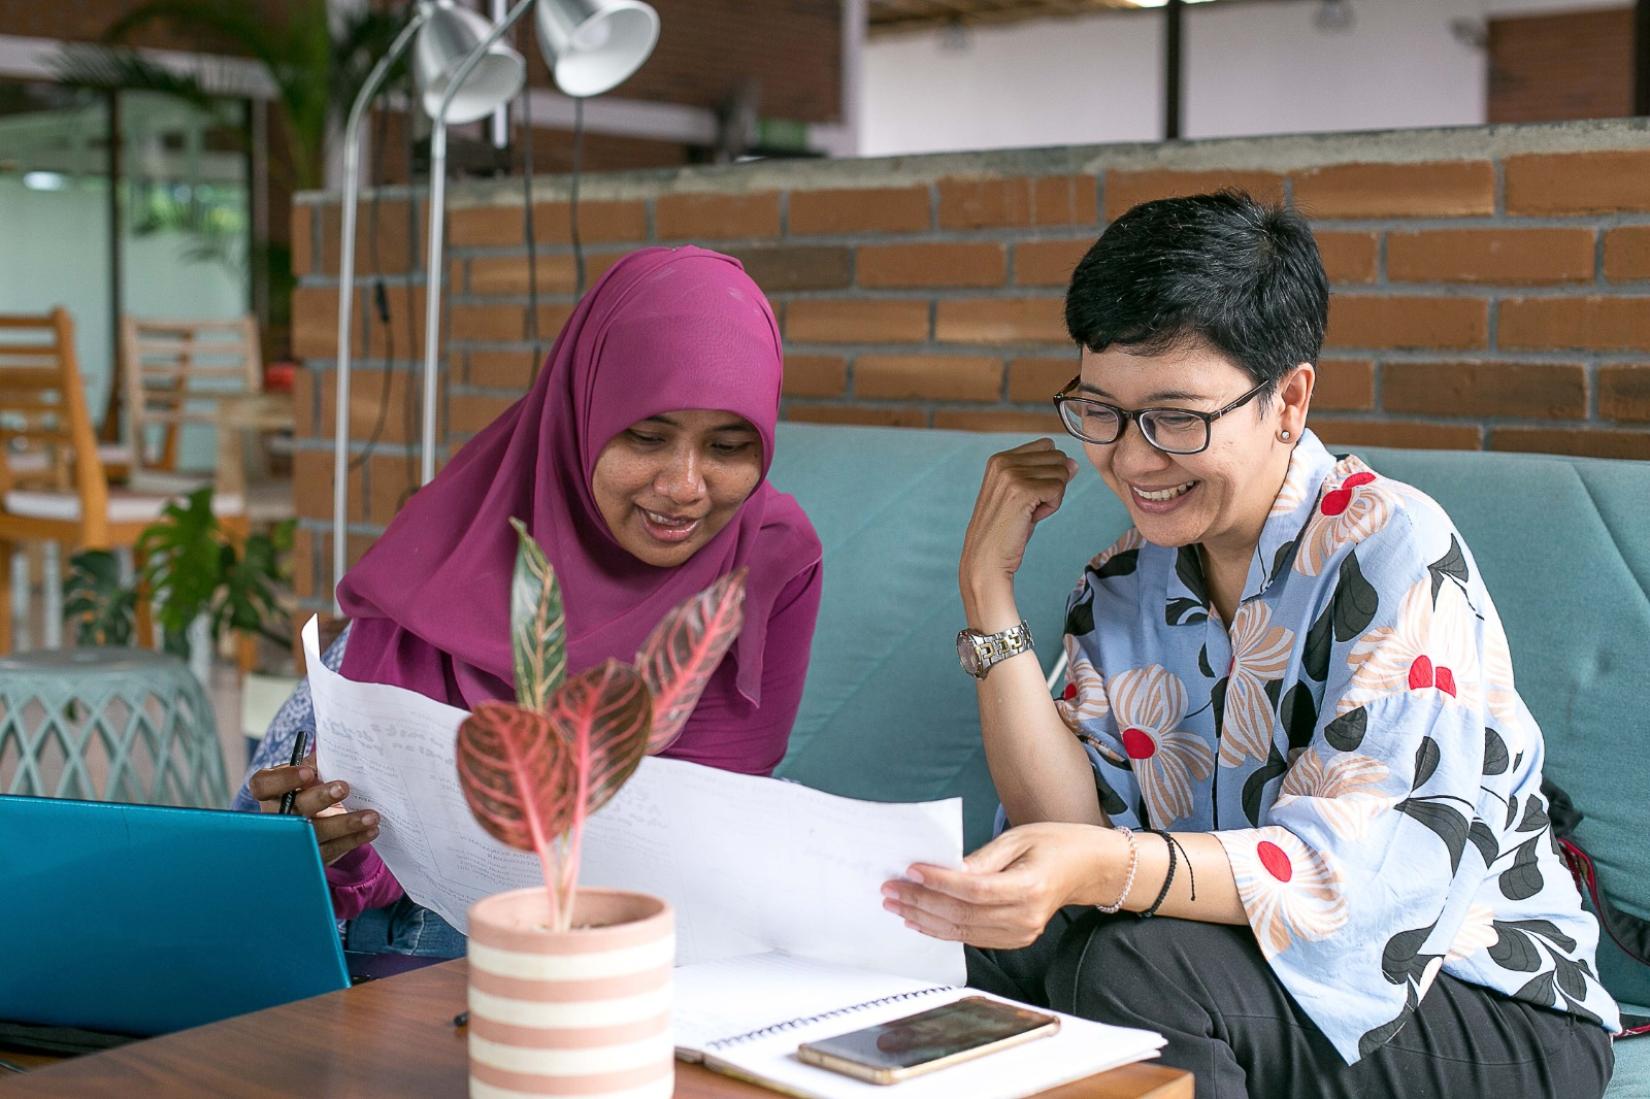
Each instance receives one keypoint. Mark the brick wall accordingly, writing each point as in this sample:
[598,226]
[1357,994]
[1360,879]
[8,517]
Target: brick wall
[1492,289]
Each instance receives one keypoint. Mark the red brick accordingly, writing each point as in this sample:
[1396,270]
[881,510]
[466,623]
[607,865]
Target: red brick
[501,275]
[1491,255]
[1553,391]
[389,479]
[488,323]
[386,253]
[303,259]
[1002,320]
[787,267]
[1348,257]
[1624,393]
[355,546]
[505,226]
[852,210]
[1399,433]
[468,413]
[312,487]
[551,319]
[306,402]
[1345,385]
[994,203]
[1049,262]
[815,375]
[1445,188]
[716,217]
[1031,380]
[1369,320]
[1125,190]
[1578,183]
[917,265]
[936,377]
[1560,440]
[915,416]
[824,320]
[1018,423]
[367,395]
[1627,253]
[512,369]
[1591,324]
[315,324]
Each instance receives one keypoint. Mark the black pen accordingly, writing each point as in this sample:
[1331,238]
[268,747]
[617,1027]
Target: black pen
[297,758]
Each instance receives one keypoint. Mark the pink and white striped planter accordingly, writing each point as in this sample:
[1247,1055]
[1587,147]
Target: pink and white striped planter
[579,1013]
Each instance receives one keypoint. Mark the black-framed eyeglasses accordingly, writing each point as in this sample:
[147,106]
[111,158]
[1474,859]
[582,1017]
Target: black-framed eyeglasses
[1171,430]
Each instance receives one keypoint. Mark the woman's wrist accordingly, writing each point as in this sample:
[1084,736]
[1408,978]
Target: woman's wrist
[1102,868]
[988,602]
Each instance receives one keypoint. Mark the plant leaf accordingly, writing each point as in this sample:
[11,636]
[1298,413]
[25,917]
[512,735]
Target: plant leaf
[679,656]
[1495,752]
[1448,823]
[517,775]
[1426,762]
[1356,600]
[1346,732]
[602,716]
[538,627]
[1522,880]
[1513,950]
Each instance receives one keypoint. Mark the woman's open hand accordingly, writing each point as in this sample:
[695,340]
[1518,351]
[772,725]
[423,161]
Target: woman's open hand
[1008,890]
[337,831]
[1022,487]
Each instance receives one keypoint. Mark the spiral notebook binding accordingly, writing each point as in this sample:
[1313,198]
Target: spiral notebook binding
[835,1013]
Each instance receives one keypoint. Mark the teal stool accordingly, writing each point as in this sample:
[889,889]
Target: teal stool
[108,724]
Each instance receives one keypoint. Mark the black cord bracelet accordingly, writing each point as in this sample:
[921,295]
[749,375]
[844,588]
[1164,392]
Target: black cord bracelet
[1191,875]
[1168,879]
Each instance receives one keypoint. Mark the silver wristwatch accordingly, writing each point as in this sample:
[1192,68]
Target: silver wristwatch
[978,651]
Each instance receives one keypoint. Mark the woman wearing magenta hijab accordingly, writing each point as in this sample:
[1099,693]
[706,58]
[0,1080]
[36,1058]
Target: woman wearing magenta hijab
[638,460]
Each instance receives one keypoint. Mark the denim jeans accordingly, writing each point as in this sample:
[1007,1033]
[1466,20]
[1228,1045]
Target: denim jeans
[403,928]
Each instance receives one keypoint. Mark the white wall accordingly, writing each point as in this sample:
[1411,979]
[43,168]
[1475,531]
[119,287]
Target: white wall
[1260,67]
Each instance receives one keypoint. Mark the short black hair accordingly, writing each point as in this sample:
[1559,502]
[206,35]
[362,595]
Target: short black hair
[1242,276]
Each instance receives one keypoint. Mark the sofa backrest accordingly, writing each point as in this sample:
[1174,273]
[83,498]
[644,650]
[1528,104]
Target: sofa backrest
[1563,545]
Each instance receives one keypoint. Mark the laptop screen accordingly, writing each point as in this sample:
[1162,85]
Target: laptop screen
[145,919]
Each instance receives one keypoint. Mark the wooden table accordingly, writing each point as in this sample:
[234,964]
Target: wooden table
[393,1037]
[237,414]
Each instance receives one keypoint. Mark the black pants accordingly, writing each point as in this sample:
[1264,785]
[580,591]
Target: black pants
[1207,989]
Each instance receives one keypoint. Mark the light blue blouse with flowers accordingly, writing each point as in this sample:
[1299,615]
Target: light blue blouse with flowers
[1355,742]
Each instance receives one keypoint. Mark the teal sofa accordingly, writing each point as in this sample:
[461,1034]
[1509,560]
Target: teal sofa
[1563,543]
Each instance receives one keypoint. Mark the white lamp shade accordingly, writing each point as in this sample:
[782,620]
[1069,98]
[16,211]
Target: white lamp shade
[448,36]
[593,46]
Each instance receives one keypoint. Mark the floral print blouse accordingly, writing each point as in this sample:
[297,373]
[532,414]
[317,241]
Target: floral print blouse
[1355,742]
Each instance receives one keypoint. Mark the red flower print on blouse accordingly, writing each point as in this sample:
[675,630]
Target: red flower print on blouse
[1148,704]
[1084,697]
[1431,647]
[1353,504]
[1289,891]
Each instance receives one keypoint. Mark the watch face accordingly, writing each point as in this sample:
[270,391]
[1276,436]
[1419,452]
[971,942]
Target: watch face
[967,654]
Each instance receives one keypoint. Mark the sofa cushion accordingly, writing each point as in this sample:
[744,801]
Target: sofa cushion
[1563,545]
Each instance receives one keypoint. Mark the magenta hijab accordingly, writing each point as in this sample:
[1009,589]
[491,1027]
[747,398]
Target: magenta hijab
[664,329]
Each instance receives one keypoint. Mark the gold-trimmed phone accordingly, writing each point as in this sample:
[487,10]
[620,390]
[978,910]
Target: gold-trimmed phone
[910,1046]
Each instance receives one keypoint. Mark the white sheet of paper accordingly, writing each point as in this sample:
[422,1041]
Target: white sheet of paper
[749,864]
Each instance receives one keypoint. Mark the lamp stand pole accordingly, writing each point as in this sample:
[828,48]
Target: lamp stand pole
[432,271]
[346,293]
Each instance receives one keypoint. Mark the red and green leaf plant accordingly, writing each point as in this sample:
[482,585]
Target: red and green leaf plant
[534,770]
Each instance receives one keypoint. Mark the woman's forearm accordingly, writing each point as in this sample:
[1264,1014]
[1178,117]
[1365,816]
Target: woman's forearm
[1038,767]
[1210,871]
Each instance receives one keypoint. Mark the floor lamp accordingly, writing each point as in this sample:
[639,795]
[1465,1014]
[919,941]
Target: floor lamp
[468,82]
[591,47]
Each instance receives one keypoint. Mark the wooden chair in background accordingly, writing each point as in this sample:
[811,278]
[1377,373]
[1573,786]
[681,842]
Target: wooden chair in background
[69,502]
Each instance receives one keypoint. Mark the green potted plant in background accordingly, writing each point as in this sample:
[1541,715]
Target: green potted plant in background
[194,572]
[532,772]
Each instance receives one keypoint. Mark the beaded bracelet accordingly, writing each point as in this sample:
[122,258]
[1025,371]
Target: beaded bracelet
[1168,879]
[1128,877]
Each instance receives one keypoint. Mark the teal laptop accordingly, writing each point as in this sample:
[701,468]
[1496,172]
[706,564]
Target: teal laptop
[140,920]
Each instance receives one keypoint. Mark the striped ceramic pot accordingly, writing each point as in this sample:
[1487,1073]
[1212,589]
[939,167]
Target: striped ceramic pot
[584,1012]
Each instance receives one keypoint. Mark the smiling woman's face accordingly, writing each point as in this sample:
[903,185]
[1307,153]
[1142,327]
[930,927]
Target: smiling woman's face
[668,484]
[1219,497]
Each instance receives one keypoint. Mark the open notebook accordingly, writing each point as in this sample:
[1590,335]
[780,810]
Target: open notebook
[746,1016]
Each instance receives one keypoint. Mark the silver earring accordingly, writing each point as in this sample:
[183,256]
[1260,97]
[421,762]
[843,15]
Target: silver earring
[1283,436]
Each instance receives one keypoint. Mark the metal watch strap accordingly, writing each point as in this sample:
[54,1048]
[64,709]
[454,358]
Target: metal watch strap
[994,648]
